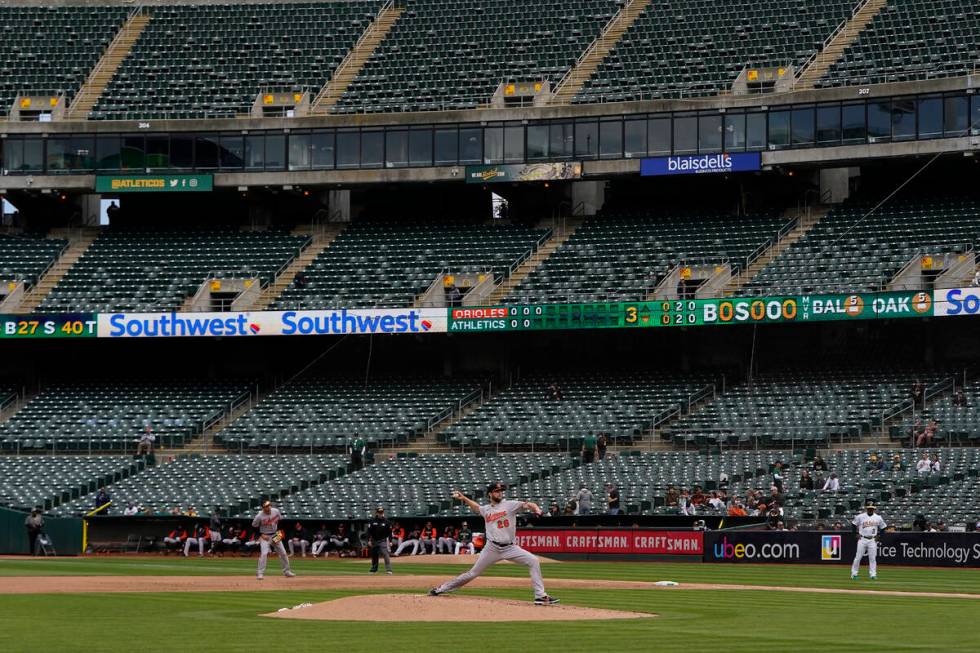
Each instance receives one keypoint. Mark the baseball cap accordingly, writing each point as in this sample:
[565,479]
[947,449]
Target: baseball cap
[379,509]
[493,487]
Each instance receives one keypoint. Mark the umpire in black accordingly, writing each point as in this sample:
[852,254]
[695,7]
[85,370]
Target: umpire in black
[379,533]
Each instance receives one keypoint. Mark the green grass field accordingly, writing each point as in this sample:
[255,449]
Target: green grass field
[689,620]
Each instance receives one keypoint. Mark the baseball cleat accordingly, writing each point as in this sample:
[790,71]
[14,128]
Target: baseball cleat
[259,577]
[854,576]
[390,573]
[288,574]
[434,592]
[874,578]
[546,600]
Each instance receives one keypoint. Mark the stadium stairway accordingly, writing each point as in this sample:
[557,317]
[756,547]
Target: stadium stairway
[203,443]
[558,238]
[846,35]
[103,72]
[803,225]
[351,66]
[79,240]
[429,442]
[590,60]
[322,239]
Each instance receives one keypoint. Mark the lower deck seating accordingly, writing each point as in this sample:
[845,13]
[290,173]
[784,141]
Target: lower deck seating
[328,412]
[526,414]
[87,416]
[228,483]
[419,486]
[27,482]
[798,408]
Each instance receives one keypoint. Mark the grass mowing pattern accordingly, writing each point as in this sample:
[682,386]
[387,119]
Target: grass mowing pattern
[905,579]
[689,621]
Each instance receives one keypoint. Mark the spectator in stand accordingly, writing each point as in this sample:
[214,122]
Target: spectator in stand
[340,540]
[412,540]
[571,508]
[176,537]
[612,499]
[358,449]
[684,504]
[875,463]
[298,538]
[928,435]
[553,510]
[176,511]
[429,538]
[320,540]
[588,448]
[918,395]
[897,464]
[838,526]
[818,464]
[941,526]
[832,484]
[35,526]
[670,500]
[959,399]
[144,446]
[776,496]
[454,297]
[777,476]
[920,523]
[697,498]
[131,510]
[737,509]
[935,466]
[447,543]
[924,466]
[199,536]
[464,540]
[723,481]
[101,499]
[584,498]
[915,431]
[600,445]
[716,501]
[806,481]
[555,392]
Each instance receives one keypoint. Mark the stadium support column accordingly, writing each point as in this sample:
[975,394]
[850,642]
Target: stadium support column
[835,186]
[338,203]
[588,197]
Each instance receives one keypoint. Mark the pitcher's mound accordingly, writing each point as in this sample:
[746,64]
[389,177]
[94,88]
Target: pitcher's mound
[420,607]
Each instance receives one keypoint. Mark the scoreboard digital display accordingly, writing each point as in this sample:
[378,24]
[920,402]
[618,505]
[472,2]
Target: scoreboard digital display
[48,326]
[691,312]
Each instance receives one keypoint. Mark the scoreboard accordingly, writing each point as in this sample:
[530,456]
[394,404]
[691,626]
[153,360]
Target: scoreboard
[690,312]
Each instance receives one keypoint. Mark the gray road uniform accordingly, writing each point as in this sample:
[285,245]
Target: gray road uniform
[268,525]
[501,531]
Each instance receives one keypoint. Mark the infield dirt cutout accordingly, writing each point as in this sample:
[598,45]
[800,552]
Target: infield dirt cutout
[420,607]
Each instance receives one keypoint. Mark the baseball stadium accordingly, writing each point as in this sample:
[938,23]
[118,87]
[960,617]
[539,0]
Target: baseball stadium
[618,325]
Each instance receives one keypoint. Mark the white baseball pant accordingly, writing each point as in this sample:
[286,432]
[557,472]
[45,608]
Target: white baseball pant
[869,547]
[302,545]
[465,545]
[408,543]
[446,544]
[265,545]
[318,547]
[199,541]
[494,553]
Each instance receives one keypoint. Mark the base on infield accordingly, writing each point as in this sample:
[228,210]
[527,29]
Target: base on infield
[420,607]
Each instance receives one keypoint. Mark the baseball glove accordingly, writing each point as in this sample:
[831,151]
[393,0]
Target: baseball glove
[277,538]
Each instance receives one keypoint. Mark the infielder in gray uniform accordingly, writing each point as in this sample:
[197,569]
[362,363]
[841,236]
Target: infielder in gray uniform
[267,521]
[501,529]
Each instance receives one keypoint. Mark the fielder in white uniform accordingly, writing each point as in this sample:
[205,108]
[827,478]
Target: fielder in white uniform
[501,520]
[267,521]
[868,524]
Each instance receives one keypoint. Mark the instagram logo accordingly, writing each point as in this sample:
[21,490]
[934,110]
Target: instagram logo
[830,547]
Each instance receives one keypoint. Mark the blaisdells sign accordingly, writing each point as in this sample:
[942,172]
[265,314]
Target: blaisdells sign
[271,323]
[701,164]
[523,172]
[154,184]
[82,325]
[611,541]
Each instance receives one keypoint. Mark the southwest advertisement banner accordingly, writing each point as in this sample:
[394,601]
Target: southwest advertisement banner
[694,312]
[915,549]
[154,184]
[523,172]
[957,301]
[634,541]
[80,325]
[701,164]
[271,323]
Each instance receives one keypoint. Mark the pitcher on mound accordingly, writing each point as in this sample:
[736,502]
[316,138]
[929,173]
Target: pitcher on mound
[501,527]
